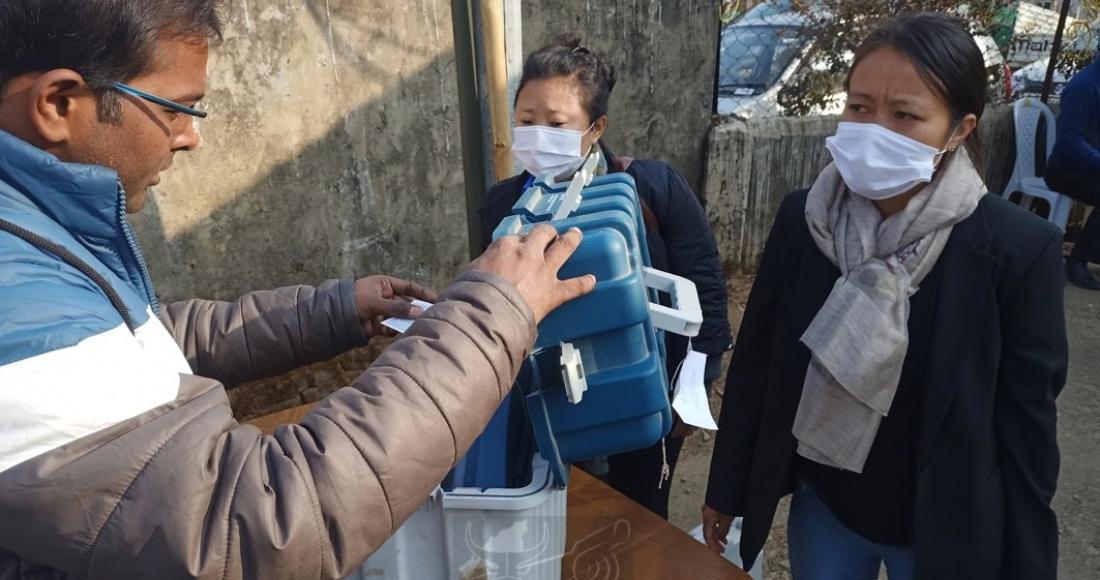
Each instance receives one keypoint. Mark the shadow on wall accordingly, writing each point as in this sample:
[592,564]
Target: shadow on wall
[380,192]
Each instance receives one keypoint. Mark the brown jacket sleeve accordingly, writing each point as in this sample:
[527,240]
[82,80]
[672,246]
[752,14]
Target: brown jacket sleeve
[184,491]
[266,333]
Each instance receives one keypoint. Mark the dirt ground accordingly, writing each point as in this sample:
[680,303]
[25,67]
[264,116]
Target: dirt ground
[1077,502]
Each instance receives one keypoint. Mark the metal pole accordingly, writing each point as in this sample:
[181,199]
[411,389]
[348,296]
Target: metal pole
[473,160]
[496,91]
[1055,52]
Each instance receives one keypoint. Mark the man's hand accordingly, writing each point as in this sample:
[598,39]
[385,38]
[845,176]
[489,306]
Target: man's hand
[380,297]
[716,526]
[531,264]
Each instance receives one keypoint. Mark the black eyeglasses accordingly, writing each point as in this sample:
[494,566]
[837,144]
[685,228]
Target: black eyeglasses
[127,89]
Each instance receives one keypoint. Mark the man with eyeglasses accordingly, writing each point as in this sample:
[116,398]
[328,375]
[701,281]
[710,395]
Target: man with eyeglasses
[119,455]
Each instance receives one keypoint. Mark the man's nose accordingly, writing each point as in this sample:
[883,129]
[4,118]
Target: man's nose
[188,139]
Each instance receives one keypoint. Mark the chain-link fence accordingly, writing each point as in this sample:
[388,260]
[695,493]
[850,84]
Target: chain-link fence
[789,57]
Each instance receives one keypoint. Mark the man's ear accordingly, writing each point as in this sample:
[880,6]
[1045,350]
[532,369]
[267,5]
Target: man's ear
[58,102]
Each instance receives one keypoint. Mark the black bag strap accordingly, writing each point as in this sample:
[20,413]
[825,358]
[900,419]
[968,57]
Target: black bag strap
[69,258]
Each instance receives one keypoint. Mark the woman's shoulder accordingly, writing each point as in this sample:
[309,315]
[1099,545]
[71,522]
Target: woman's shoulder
[648,173]
[499,200]
[1014,229]
[1017,238]
[512,186]
[792,209]
[504,194]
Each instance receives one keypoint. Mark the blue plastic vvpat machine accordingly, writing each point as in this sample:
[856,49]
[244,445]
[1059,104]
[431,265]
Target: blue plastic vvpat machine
[595,384]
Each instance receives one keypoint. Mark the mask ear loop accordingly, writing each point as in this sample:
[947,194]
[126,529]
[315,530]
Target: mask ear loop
[943,152]
[592,148]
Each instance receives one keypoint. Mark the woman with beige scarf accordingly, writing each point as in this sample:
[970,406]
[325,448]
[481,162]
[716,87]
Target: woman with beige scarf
[903,344]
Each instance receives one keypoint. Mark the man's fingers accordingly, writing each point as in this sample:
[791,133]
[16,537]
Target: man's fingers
[412,290]
[562,248]
[395,308]
[708,535]
[574,288]
[722,532]
[541,237]
[716,526]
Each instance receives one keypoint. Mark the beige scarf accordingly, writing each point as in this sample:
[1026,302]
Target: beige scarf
[860,336]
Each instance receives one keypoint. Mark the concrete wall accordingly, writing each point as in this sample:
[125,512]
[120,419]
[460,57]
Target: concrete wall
[664,51]
[332,149]
[751,166]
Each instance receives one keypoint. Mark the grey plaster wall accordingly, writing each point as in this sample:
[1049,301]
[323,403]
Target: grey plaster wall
[665,53]
[332,149]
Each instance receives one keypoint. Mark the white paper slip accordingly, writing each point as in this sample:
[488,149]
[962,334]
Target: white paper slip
[690,401]
[402,325]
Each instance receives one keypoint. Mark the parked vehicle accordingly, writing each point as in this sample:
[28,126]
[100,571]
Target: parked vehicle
[762,51]
[1028,81]
[759,53]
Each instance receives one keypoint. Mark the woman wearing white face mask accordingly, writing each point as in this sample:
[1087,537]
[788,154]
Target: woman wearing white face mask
[902,347]
[560,117]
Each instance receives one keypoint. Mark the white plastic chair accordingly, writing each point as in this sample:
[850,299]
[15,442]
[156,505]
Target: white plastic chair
[1026,114]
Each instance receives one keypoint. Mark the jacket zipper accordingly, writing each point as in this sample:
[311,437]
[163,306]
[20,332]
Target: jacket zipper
[135,251]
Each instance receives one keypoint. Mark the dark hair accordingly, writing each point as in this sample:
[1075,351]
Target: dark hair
[103,40]
[946,57]
[566,57]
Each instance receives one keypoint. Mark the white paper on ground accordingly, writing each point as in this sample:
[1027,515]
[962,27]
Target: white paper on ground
[690,401]
[402,324]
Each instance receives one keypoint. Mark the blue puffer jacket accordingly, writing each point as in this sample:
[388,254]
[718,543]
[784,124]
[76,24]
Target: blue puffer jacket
[53,316]
[82,208]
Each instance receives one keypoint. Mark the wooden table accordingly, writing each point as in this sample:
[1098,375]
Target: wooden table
[608,537]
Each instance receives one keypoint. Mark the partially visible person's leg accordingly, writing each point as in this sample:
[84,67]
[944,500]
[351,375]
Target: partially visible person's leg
[1087,247]
[1085,189]
[822,548]
[899,562]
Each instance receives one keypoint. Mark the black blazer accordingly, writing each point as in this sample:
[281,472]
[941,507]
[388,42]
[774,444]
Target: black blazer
[680,242]
[987,462]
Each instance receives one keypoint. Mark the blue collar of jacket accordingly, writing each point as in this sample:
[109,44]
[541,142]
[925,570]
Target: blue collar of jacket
[87,201]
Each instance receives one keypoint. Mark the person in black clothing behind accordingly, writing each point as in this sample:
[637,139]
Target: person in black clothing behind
[1074,167]
[560,116]
[902,347]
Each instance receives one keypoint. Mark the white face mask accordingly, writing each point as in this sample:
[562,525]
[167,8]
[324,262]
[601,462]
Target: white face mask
[877,163]
[549,151]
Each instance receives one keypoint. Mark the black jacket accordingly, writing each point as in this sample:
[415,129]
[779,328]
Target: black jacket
[987,461]
[682,243]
